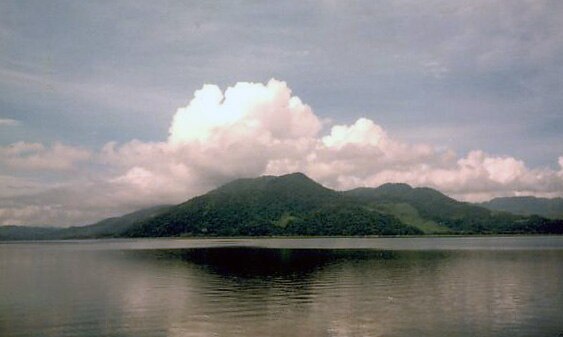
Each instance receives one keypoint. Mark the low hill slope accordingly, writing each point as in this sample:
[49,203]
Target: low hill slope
[111,227]
[434,212]
[8,233]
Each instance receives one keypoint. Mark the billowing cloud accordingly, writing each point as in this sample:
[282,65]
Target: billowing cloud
[248,130]
[244,110]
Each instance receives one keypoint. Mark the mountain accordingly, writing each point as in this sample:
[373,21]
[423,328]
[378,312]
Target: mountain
[434,212]
[549,208]
[291,204]
[294,204]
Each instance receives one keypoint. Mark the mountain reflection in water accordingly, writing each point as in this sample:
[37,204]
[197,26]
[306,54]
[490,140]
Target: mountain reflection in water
[51,290]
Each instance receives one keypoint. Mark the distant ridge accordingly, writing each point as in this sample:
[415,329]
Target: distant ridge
[528,205]
[434,212]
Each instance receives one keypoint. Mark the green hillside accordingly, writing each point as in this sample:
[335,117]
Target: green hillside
[434,212]
[287,205]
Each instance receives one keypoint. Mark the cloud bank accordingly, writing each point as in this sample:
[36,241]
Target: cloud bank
[37,157]
[248,130]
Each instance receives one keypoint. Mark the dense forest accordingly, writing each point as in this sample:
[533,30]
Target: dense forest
[287,205]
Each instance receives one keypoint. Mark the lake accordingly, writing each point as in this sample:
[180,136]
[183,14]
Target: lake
[441,286]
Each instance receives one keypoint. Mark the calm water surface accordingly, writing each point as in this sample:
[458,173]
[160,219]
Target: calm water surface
[488,286]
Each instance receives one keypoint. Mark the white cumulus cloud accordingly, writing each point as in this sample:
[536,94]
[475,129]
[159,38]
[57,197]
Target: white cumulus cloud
[246,109]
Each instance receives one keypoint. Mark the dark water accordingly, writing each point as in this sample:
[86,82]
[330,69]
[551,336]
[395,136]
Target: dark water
[284,287]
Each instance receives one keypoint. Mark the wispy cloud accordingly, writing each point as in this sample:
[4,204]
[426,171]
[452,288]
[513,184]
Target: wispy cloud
[37,157]
[9,122]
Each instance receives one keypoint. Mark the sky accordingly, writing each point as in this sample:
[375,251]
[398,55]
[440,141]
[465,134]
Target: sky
[108,107]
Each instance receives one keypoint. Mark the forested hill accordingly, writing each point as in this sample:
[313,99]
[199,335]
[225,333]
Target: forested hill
[434,212]
[294,204]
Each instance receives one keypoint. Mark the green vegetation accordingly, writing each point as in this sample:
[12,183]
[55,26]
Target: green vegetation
[288,205]
[294,204]
[434,212]
[410,216]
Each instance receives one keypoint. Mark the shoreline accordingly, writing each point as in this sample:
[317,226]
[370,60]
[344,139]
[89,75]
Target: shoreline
[178,238]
